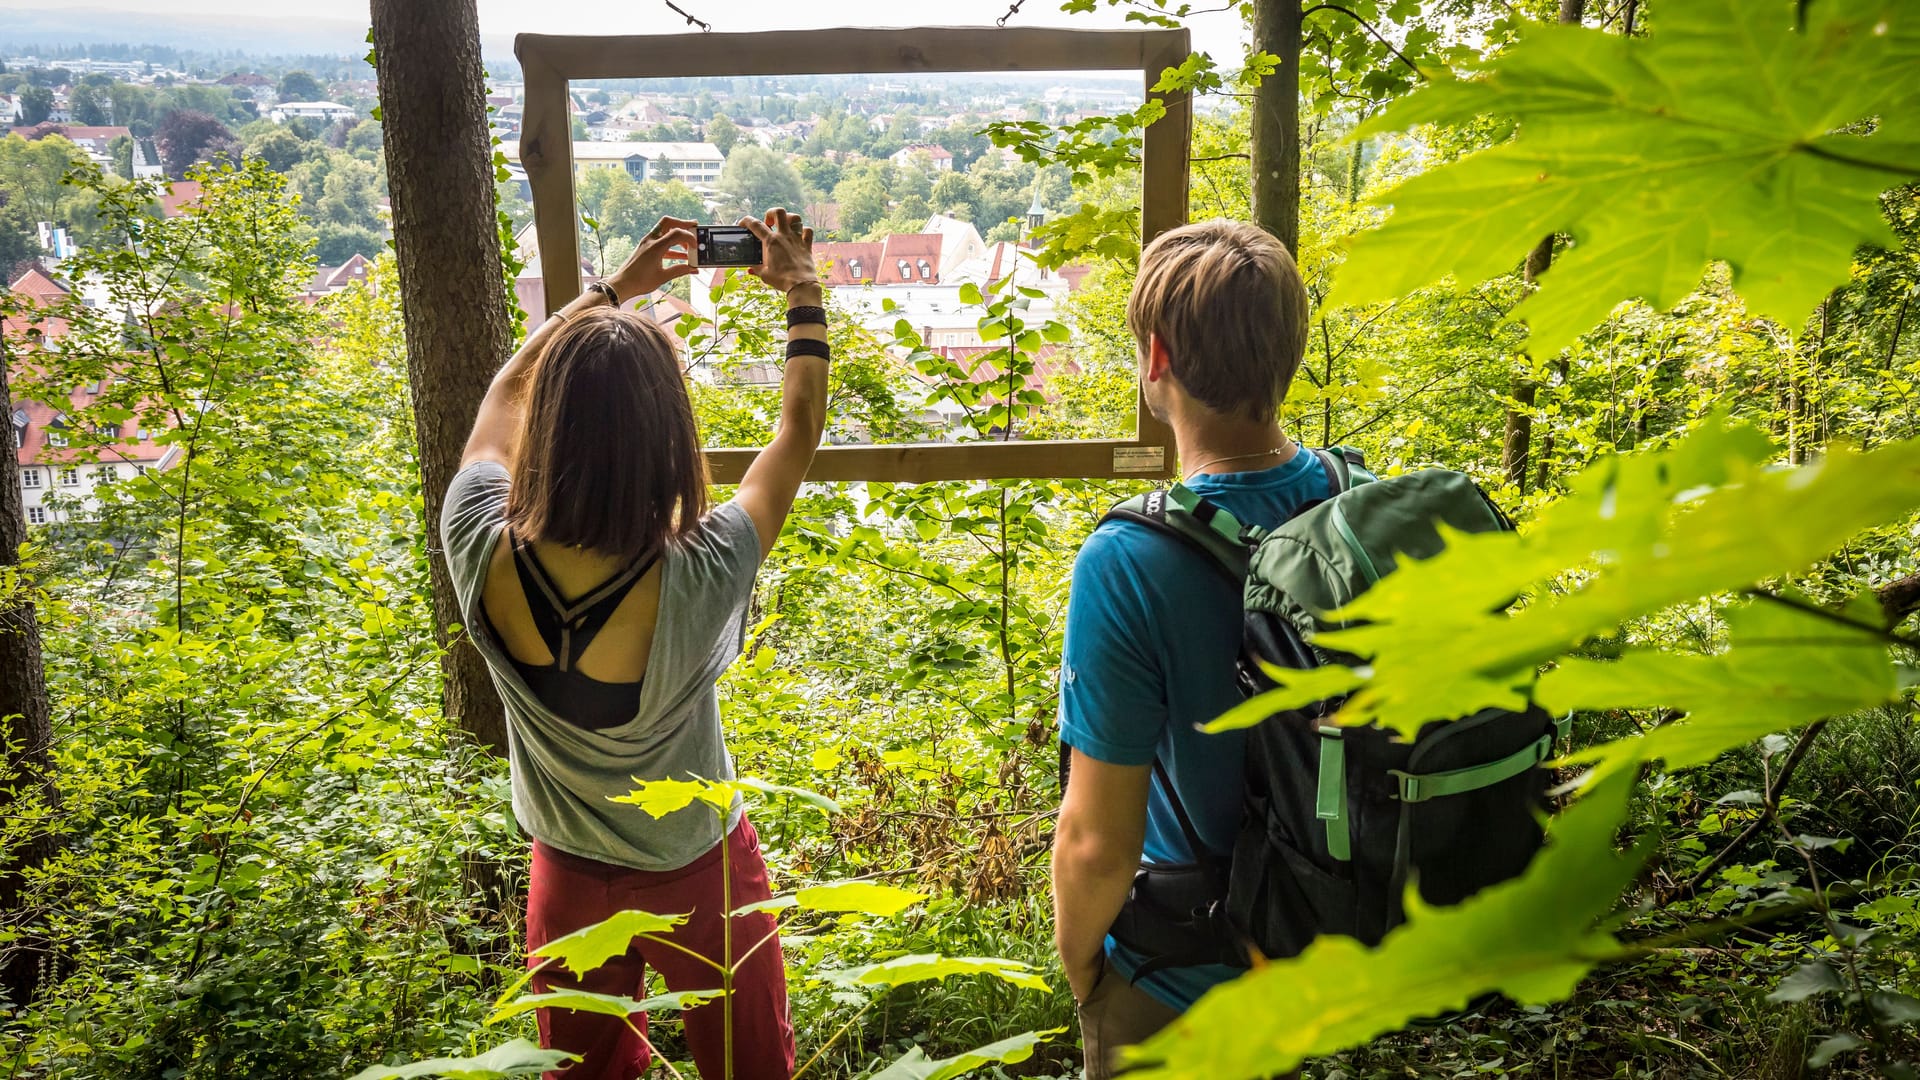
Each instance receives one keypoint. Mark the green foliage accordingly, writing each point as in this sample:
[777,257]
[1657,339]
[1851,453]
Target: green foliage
[591,946]
[915,1065]
[1770,154]
[1531,938]
[517,1058]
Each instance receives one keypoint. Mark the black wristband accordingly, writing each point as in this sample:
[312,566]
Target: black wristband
[809,347]
[801,316]
[605,290]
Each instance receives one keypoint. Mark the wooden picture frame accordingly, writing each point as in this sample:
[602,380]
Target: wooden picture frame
[546,152]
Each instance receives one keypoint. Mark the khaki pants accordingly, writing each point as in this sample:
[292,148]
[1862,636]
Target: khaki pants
[1116,1014]
[1119,1014]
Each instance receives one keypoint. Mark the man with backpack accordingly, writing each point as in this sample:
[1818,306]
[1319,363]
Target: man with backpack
[1180,855]
[1153,630]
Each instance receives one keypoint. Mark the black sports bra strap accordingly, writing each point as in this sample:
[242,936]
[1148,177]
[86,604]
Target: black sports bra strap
[569,628]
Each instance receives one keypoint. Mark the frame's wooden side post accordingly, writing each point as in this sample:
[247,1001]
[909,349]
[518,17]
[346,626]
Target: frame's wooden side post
[1163,184]
[546,152]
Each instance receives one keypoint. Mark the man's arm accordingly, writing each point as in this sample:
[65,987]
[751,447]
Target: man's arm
[1096,850]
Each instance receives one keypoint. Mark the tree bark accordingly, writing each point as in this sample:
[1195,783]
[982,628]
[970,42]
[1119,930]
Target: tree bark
[1900,598]
[26,770]
[440,177]
[1517,448]
[1276,122]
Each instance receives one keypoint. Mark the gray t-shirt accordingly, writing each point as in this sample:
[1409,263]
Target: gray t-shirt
[563,774]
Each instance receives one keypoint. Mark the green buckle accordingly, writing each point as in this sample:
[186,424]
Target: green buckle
[1330,800]
[1419,787]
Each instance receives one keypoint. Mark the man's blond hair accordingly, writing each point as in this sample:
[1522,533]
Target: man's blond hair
[1227,301]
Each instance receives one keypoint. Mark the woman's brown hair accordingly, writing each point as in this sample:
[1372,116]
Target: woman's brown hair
[609,459]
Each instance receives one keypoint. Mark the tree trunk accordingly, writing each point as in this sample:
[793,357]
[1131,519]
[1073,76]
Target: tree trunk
[26,772]
[1276,122]
[440,176]
[1517,448]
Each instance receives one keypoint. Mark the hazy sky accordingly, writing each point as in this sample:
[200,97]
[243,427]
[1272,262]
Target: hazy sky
[1215,33]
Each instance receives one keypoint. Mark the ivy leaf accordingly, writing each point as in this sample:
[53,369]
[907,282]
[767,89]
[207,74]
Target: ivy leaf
[1808,980]
[1724,136]
[1531,938]
[517,1058]
[915,1065]
[604,1004]
[911,969]
[590,946]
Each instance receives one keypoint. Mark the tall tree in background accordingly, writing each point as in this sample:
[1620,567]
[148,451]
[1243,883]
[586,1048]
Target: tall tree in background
[433,111]
[1516,449]
[1276,122]
[186,136]
[26,774]
[300,86]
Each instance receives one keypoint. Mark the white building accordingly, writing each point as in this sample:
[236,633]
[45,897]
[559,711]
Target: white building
[61,468]
[937,156]
[695,163]
[326,112]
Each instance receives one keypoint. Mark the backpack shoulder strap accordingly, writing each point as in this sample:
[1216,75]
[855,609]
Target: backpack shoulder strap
[1346,467]
[1202,526]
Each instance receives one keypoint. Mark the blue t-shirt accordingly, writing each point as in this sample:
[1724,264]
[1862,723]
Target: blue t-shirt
[1153,634]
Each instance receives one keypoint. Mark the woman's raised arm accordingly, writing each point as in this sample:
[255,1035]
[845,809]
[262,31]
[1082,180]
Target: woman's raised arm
[771,482]
[496,429]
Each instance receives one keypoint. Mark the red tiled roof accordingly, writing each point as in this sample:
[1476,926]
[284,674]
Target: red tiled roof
[848,262]
[180,195]
[75,132]
[920,251]
[36,284]
[326,279]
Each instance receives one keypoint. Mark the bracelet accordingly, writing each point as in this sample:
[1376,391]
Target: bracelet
[809,347]
[803,284]
[605,290]
[801,316]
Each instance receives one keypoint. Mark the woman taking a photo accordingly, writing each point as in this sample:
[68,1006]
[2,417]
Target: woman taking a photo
[607,598]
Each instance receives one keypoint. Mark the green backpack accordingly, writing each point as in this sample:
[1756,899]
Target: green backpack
[1337,821]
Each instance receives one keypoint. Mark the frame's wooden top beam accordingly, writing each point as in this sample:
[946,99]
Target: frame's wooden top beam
[849,51]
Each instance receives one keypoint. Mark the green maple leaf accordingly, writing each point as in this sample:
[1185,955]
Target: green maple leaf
[590,946]
[1532,938]
[902,970]
[517,1058]
[915,1065]
[1726,135]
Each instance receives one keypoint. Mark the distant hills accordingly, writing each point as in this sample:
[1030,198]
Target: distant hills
[22,29]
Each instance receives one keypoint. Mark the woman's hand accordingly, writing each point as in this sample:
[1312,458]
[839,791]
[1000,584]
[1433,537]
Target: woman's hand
[786,251]
[646,269]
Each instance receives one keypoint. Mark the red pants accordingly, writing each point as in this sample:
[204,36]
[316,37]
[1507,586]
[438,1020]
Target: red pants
[569,892]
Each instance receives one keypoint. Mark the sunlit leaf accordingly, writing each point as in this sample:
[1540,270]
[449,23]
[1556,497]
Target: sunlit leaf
[1532,938]
[915,1065]
[811,798]
[662,797]
[1783,668]
[590,946]
[517,1058]
[604,1004]
[911,969]
[865,897]
[1725,135]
